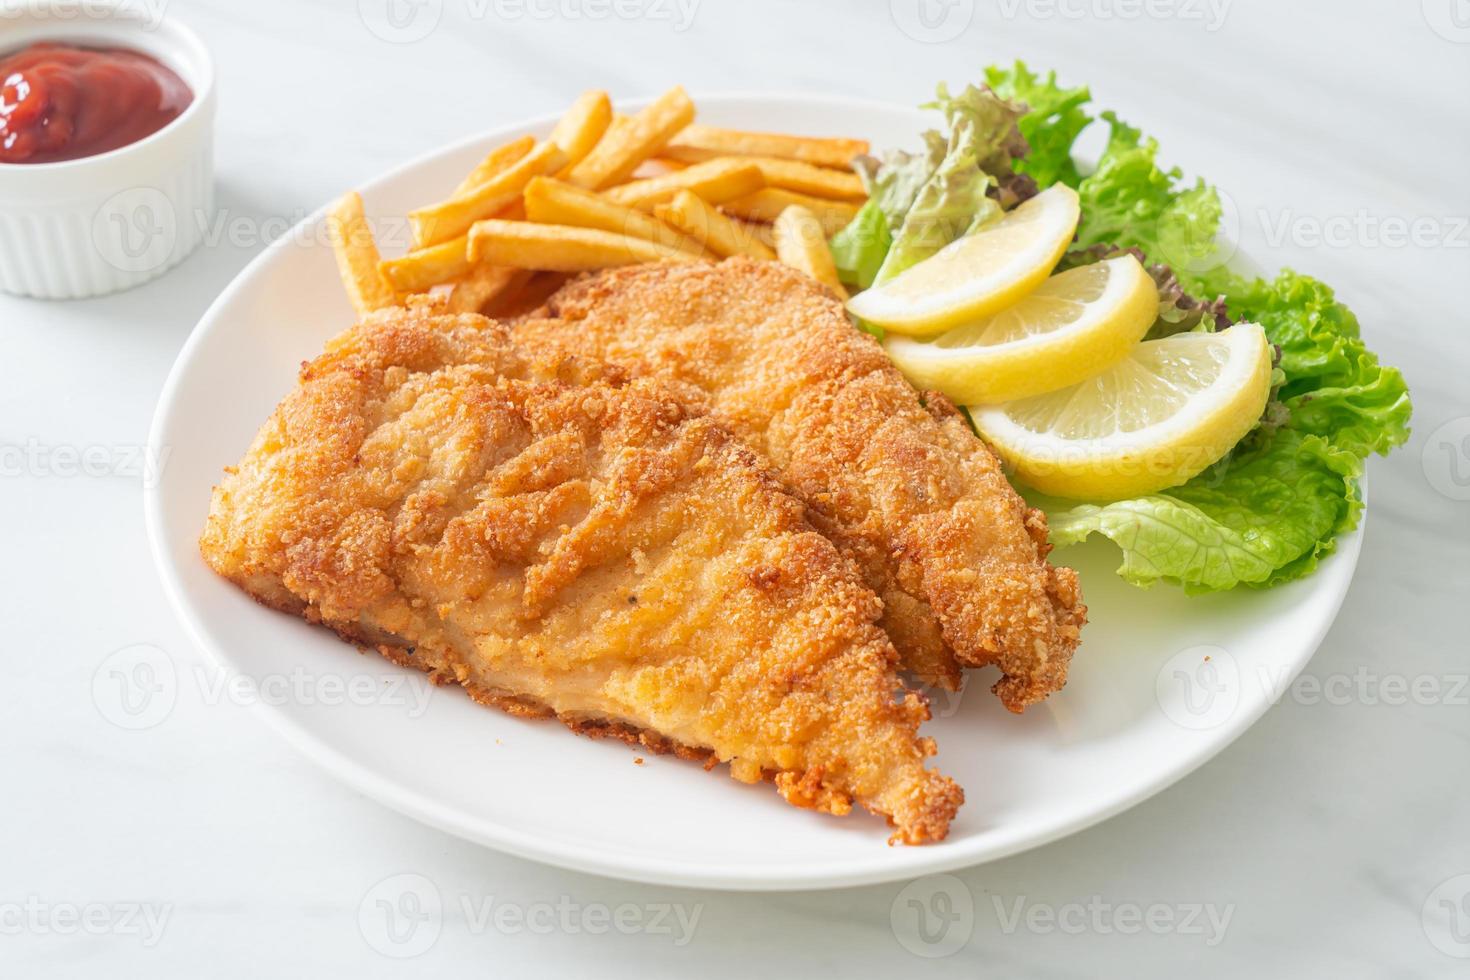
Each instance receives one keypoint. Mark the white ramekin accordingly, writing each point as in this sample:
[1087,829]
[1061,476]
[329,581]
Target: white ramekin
[108,222]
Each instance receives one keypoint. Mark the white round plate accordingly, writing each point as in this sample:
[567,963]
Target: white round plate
[1162,682]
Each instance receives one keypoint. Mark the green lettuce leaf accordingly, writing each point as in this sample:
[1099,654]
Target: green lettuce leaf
[1053,119]
[1269,517]
[1271,509]
[920,202]
[894,180]
[858,249]
[1130,202]
[989,123]
[954,201]
[1334,386]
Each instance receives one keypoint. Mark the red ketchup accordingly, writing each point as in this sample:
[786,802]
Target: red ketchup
[63,102]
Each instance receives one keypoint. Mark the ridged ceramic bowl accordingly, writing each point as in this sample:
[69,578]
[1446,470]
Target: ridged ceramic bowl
[112,221]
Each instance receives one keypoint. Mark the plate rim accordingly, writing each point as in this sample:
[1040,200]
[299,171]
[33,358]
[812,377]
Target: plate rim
[637,866]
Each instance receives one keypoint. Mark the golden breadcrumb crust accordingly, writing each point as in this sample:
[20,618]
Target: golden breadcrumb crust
[559,542]
[895,478]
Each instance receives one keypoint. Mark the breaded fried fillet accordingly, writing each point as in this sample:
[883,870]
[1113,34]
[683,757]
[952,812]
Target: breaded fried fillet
[558,544]
[896,480]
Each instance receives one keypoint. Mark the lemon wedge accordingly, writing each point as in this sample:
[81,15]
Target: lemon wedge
[1075,325]
[1154,420]
[978,274]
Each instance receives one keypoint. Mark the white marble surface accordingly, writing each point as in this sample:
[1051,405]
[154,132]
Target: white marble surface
[1321,834]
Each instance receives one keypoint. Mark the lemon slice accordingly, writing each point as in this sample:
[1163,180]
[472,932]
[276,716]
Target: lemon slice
[1077,324]
[1155,419]
[977,274]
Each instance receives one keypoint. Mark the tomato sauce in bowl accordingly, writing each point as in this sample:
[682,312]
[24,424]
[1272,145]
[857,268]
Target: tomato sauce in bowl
[64,102]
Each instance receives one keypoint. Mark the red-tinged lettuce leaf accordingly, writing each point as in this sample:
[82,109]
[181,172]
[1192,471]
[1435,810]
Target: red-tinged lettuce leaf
[1179,312]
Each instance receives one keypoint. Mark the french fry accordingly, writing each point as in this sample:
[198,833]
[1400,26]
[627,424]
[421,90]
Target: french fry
[582,126]
[624,147]
[452,218]
[357,255]
[724,236]
[717,181]
[485,285]
[657,167]
[561,248]
[616,132]
[697,144]
[427,267]
[495,162]
[807,178]
[766,205]
[552,202]
[801,244]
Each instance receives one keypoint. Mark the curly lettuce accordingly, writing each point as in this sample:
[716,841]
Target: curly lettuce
[1272,509]
[955,201]
[1053,120]
[1274,506]
[859,248]
[920,202]
[1268,517]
